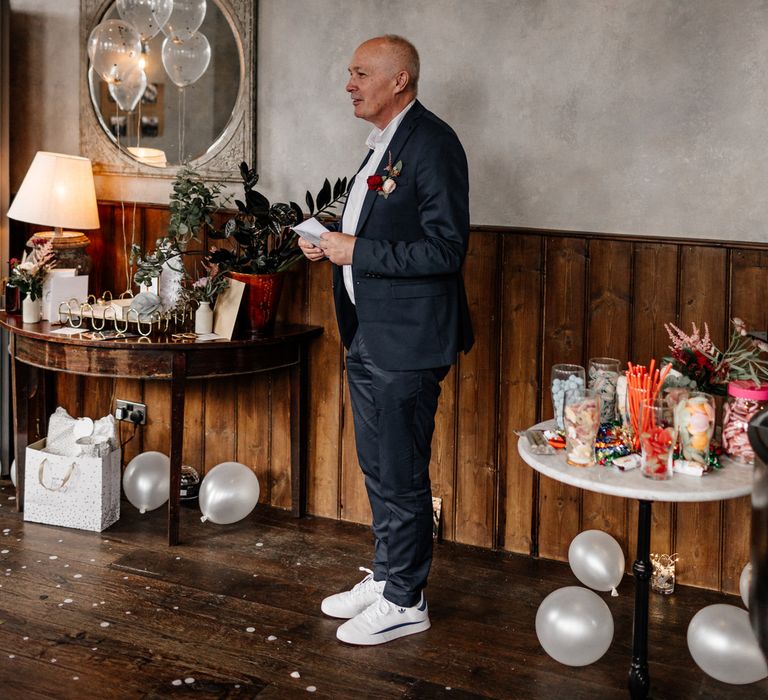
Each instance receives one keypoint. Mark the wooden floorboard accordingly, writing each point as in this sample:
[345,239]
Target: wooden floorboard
[234,612]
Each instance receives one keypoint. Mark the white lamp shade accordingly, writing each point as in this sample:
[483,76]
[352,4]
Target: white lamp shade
[57,191]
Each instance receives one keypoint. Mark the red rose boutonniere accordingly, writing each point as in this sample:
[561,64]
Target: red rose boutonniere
[386,184]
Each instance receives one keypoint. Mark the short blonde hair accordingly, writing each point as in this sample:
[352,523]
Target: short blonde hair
[407,56]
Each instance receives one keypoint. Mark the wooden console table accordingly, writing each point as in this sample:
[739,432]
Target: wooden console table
[35,349]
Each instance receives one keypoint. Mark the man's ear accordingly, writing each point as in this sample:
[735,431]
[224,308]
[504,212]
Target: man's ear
[402,80]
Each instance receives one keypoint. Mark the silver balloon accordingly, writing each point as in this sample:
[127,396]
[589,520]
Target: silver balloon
[186,61]
[148,16]
[723,645]
[744,581]
[128,92]
[229,492]
[147,480]
[115,46]
[185,19]
[597,560]
[574,626]
[13,472]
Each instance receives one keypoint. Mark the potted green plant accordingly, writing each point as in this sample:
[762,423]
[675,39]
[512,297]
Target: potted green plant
[259,245]
[192,205]
[255,246]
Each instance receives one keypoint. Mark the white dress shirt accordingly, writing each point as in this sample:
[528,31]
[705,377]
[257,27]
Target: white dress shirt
[378,140]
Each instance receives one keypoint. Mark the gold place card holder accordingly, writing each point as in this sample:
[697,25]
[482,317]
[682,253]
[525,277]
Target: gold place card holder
[105,315]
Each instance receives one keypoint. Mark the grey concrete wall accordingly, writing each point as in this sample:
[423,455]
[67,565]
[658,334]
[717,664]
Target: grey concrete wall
[44,71]
[634,116]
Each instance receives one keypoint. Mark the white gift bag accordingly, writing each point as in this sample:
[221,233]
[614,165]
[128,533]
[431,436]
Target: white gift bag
[81,492]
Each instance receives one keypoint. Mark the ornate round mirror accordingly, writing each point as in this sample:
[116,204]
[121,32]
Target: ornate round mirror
[153,130]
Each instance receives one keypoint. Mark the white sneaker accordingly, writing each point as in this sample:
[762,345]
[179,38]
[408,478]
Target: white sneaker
[351,603]
[383,621]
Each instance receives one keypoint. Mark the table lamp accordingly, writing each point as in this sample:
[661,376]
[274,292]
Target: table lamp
[58,191]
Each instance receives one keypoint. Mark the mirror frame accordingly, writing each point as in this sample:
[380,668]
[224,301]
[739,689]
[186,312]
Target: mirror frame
[222,159]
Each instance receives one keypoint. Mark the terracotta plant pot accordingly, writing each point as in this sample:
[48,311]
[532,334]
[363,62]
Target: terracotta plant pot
[260,299]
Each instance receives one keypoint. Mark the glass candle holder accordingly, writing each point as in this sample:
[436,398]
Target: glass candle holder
[602,377]
[565,377]
[695,425]
[581,417]
[663,574]
[657,439]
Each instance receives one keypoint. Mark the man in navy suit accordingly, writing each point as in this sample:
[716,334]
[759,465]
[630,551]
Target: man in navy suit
[403,317]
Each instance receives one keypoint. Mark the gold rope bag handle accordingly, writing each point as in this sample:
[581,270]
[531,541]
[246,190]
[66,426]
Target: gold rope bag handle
[40,473]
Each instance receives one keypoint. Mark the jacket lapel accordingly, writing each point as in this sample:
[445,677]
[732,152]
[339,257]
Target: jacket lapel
[395,146]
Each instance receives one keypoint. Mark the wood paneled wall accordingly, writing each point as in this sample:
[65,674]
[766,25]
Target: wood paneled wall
[537,298]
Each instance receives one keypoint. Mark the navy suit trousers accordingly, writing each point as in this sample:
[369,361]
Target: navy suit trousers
[394,417]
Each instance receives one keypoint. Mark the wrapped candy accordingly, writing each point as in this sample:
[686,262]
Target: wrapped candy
[745,399]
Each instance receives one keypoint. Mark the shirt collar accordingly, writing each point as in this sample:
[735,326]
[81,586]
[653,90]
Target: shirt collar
[381,137]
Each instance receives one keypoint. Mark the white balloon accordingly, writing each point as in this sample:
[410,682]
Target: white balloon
[723,645]
[229,492]
[186,61]
[148,16]
[574,626]
[185,19]
[597,560]
[744,581]
[13,472]
[147,480]
[115,46]
[128,93]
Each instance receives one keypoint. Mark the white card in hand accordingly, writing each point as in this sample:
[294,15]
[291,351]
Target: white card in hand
[310,230]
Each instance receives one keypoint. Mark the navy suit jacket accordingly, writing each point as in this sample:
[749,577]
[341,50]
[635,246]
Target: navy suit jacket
[410,304]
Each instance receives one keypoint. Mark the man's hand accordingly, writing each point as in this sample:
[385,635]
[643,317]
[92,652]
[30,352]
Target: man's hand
[312,252]
[338,247]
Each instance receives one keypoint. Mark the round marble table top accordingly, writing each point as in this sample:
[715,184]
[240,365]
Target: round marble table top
[732,481]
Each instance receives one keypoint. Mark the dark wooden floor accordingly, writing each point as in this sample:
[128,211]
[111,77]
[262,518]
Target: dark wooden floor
[235,612]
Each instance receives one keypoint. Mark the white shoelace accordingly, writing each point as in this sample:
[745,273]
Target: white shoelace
[381,607]
[366,584]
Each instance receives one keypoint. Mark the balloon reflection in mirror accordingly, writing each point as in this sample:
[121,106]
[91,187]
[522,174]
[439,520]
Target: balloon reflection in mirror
[186,61]
[147,16]
[128,93]
[196,60]
[185,19]
[114,47]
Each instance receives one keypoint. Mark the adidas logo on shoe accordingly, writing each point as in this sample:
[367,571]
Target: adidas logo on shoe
[350,603]
[383,621]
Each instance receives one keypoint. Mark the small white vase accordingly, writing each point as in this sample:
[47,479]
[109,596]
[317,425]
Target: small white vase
[204,318]
[31,311]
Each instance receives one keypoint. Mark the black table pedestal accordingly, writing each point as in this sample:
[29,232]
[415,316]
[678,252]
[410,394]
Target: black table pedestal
[639,680]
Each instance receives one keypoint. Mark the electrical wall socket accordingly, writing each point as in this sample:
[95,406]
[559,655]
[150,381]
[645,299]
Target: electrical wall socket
[131,411]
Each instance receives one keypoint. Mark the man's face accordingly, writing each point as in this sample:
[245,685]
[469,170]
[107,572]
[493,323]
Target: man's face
[372,84]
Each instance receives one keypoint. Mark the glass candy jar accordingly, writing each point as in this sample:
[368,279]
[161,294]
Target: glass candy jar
[602,377]
[695,424]
[565,378]
[657,439]
[581,416]
[745,399]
